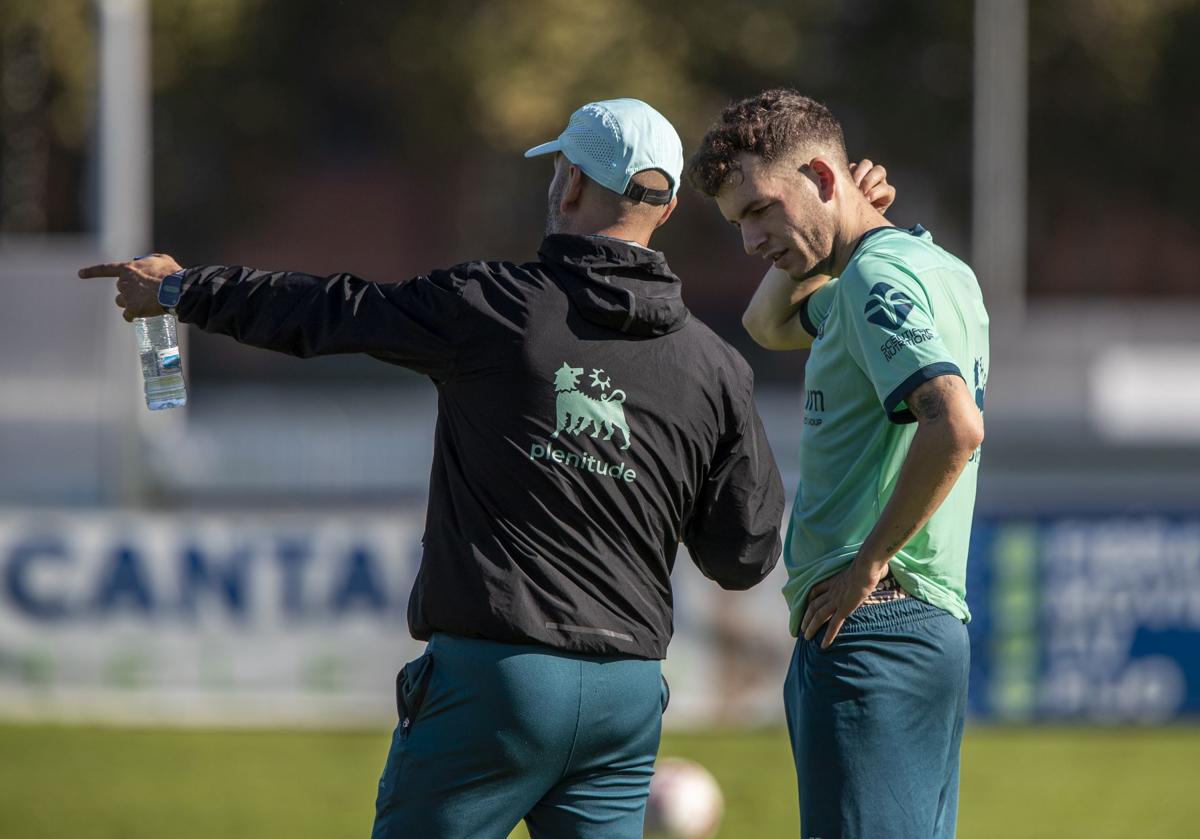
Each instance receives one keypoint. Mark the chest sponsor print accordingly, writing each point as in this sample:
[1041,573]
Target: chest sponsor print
[814,403]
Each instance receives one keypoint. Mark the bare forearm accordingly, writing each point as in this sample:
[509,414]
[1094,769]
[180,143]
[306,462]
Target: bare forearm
[771,318]
[934,462]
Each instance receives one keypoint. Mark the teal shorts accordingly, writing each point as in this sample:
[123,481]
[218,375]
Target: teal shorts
[493,733]
[876,723]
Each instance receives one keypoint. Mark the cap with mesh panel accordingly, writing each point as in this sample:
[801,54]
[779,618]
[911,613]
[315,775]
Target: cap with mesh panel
[613,140]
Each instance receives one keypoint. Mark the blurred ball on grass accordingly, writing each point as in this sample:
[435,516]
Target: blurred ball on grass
[685,801]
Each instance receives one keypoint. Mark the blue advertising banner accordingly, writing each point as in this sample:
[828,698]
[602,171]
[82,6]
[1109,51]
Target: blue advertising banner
[249,618]
[274,619]
[1087,618]
[257,618]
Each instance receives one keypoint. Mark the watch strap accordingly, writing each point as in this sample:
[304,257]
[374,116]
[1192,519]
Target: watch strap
[170,290]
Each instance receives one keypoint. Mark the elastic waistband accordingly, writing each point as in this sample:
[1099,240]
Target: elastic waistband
[457,644]
[896,613]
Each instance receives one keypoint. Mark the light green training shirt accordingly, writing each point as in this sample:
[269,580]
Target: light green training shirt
[902,312]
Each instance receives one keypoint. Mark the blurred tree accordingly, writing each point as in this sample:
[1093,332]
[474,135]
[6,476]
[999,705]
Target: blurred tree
[1112,114]
[46,88]
[386,137]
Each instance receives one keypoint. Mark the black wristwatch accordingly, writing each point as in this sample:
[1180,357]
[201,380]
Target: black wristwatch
[170,289]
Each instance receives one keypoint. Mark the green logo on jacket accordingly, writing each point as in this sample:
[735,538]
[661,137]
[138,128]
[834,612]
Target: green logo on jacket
[577,411]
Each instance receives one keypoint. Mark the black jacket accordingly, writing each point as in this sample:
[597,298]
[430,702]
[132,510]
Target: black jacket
[587,424]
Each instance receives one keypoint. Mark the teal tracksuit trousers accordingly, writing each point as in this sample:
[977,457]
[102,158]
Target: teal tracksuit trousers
[876,723]
[493,733]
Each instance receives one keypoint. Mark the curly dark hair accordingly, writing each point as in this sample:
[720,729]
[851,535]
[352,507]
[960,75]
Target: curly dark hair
[770,125]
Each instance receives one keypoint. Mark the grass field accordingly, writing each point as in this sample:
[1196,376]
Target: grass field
[96,783]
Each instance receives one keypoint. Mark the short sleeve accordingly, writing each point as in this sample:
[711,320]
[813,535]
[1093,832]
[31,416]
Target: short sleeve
[817,306]
[892,332]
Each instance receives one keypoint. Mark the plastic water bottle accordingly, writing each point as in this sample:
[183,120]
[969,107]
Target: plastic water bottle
[162,366]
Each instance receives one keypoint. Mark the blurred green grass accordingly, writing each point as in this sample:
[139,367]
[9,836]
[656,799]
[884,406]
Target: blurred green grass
[111,783]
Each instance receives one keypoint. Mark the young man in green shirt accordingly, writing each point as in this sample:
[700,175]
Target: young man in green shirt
[877,544]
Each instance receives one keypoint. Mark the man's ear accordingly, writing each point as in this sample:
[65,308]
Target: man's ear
[574,191]
[824,176]
[666,213]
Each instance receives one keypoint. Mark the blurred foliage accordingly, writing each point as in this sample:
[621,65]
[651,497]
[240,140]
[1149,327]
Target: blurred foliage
[59,32]
[1112,112]
[462,87]
[46,86]
[256,99]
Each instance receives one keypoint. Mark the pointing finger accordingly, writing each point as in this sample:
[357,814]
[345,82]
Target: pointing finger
[105,269]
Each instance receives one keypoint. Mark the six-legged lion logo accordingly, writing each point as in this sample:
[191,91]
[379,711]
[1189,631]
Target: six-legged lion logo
[576,409]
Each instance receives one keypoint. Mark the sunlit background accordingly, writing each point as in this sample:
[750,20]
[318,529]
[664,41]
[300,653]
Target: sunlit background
[245,562]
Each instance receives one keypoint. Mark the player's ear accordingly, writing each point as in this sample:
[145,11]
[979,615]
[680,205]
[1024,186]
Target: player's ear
[824,177]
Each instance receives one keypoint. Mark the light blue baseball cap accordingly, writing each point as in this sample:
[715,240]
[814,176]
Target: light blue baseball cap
[613,140]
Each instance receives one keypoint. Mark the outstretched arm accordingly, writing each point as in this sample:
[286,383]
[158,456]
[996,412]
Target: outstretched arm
[418,323]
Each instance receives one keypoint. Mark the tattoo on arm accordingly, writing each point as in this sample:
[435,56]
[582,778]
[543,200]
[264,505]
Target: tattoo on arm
[929,404]
[902,541]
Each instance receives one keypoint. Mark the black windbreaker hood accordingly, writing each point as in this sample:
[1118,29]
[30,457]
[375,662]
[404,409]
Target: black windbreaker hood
[616,284]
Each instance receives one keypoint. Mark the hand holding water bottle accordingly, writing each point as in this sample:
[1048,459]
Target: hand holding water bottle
[138,284]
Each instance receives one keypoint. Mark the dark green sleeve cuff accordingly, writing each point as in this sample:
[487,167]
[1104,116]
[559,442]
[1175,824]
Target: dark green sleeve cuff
[902,391]
[806,321]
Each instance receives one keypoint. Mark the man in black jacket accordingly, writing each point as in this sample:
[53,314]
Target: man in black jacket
[587,425]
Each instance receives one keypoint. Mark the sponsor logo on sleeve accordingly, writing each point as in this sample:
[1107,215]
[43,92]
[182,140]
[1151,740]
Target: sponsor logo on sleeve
[887,307]
[907,338]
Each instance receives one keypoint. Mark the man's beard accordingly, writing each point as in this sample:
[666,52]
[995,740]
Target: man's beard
[825,266]
[822,241]
[556,222]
